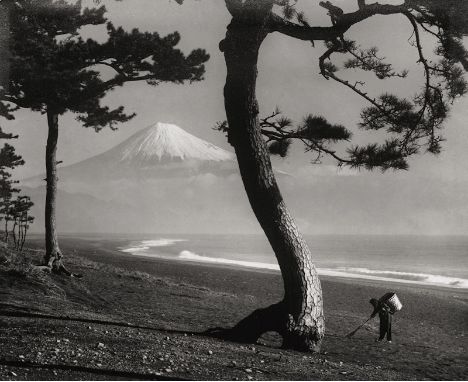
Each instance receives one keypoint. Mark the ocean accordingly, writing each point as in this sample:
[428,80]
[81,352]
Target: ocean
[425,260]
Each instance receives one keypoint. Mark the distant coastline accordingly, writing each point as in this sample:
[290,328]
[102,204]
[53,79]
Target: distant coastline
[348,273]
[255,254]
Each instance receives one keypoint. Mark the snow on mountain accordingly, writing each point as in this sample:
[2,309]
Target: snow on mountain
[167,141]
[159,151]
[156,146]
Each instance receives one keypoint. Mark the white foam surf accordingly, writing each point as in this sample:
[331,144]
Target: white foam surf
[187,255]
[355,273]
[411,276]
[134,249]
[143,248]
[147,244]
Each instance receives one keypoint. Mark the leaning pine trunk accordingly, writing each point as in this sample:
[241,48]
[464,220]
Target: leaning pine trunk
[53,255]
[299,317]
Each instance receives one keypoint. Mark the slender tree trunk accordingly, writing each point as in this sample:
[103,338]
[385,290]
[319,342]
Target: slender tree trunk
[53,256]
[20,234]
[299,317]
[14,233]
[18,238]
[6,230]
[25,231]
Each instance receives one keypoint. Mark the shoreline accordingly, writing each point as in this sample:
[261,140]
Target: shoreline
[356,277]
[109,254]
[114,256]
[110,246]
[114,249]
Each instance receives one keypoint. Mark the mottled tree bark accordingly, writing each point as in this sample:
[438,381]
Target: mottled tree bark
[299,317]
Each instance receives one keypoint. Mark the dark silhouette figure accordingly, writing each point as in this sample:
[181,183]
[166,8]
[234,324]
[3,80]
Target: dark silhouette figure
[385,316]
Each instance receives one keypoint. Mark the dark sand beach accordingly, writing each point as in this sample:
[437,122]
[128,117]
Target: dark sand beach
[141,318]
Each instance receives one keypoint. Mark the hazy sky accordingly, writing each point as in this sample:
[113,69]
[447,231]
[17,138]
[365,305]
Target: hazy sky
[288,77]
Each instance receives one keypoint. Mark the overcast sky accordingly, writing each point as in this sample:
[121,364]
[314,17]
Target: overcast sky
[433,189]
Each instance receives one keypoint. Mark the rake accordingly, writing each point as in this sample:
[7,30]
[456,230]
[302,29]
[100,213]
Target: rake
[349,335]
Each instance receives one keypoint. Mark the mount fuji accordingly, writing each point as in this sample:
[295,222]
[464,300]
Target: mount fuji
[159,151]
[166,142]
[161,179]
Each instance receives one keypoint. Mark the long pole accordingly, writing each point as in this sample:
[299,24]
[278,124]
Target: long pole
[349,335]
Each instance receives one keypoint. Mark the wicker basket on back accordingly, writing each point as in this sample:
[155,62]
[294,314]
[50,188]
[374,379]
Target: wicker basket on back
[392,301]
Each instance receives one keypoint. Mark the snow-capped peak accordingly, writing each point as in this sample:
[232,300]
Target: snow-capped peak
[167,141]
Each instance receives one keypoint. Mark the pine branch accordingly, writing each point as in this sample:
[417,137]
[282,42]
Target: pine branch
[63,74]
[343,23]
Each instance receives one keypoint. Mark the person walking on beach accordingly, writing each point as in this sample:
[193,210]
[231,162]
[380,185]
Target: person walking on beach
[385,316]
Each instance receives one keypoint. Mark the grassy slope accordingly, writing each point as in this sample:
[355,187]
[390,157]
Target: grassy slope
[121,322]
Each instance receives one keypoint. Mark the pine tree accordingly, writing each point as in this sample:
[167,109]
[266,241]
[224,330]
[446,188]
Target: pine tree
[53,70]
[19,213]
[411,126]
[7,190]
[8,161]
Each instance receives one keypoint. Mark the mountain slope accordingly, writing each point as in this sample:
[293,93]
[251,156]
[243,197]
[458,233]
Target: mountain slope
[159,151]
[165,207]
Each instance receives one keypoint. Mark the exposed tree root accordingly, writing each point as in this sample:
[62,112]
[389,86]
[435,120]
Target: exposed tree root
[54,263]
[271,319]
[58,270]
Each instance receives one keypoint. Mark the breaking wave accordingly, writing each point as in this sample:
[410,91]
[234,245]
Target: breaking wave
[147,244]
[409,276]
[356,273]
[187,255]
